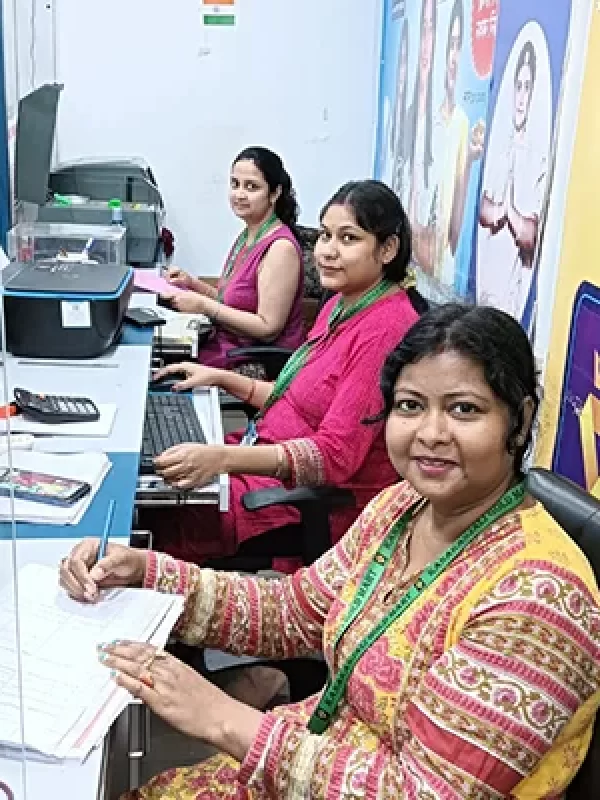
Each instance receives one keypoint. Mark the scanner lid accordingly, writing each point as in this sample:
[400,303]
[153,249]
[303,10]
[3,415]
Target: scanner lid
[36,124]
[66,279]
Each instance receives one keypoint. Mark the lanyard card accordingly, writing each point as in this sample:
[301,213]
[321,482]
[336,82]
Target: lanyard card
[250,437]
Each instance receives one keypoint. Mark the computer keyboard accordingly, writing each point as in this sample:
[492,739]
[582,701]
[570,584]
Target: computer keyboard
[170,420]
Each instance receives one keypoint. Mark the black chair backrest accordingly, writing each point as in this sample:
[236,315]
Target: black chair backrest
[578,514]
[576,511]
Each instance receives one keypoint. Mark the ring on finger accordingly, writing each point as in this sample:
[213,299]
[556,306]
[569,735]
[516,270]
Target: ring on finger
[158,654]
[147,680]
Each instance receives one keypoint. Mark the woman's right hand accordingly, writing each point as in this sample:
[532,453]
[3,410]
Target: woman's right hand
[82,576]
[179,277]
[195,375]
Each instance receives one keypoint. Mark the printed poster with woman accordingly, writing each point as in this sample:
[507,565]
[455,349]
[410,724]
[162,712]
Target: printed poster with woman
[528,64]
[436,63]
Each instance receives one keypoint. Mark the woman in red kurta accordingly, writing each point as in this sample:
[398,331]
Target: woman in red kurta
[310,430]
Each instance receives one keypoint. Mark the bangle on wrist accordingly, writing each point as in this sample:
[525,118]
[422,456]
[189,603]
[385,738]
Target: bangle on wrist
[280,467]
[215,315]
[278,462]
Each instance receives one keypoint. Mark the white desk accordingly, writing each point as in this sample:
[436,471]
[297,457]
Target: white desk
[36,781]
[121,378]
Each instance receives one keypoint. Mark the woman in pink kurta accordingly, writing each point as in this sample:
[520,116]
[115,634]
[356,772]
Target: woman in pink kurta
[258,299]
[313,434]
[241,292]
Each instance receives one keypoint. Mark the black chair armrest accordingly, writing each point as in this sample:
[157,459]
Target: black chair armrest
[258,350]
[326,497]
[312,537]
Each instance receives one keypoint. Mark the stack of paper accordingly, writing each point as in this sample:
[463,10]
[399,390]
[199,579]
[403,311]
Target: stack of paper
[69,700]
[99,427]
[89,467]
[182,329]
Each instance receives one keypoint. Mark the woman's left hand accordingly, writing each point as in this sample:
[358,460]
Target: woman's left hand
[187,466]
[174,691]
[188,302]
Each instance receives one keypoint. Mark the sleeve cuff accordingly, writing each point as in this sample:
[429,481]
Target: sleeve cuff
[282,758]
[307,465]
[253,766]
[165,574]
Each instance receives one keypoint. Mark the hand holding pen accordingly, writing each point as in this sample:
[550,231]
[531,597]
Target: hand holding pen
[95,564]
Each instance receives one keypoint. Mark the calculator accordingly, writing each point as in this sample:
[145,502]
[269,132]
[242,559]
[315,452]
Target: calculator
[54,409]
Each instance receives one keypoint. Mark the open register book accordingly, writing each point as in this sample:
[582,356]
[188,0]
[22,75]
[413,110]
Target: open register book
[68,699]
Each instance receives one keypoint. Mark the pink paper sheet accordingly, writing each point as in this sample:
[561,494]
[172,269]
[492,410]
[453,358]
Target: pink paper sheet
[148,281]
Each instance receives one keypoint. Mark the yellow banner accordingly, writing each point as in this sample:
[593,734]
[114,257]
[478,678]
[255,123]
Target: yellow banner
[570,421]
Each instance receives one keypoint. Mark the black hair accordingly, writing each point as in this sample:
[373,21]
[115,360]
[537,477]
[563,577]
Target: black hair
[378,210]
[398,130]
[526,56]
[457,13]
[486,336]
[275,174]
[415,102]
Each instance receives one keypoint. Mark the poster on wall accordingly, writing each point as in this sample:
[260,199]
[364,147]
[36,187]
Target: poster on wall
[576,448]
[528,64]
[568,440]
[436,63]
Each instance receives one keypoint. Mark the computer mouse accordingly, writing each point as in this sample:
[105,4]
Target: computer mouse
[166,383]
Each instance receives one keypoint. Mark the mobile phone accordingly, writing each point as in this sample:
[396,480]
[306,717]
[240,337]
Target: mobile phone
[144,317]
[42,488]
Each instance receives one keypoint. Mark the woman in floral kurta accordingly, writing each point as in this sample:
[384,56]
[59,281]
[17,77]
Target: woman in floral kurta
[462,697]
[486,687]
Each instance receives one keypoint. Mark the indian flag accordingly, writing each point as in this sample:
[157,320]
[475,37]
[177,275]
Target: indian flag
[219,13]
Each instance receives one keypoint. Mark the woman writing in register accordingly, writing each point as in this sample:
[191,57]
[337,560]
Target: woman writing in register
[462,625]
[309,430]
[258,298]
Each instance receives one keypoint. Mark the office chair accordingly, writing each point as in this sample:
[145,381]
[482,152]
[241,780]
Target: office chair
[307,540]
[578,514]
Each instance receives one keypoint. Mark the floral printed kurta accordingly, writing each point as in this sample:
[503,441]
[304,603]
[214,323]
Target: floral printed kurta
[486,688]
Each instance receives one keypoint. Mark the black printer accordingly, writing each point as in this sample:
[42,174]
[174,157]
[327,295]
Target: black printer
[78,192]
[64,309]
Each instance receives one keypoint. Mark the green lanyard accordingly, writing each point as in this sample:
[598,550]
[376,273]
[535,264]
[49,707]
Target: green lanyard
[236,249]
[335,688]
[300,356]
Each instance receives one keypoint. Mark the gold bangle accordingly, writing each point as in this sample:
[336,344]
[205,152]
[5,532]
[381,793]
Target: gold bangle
[280,466]
[215,316]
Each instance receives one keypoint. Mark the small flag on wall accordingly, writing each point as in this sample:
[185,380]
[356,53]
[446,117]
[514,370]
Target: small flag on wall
[221,12]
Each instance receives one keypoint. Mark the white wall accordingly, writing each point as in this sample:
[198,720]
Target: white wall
[28,47]
[568,114]
[143,78]
[29,54]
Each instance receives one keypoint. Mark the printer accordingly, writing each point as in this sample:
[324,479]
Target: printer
[64,309]
[78,191]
